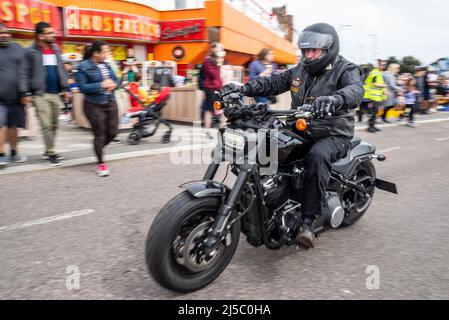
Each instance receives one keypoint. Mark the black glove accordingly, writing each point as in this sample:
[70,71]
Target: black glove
[327,104]
[233,88]
[260,110]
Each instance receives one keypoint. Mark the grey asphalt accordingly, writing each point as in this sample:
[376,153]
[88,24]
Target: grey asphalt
[405,237]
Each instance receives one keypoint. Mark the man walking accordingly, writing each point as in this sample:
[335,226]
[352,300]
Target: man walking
[375,92]
[45,79]
[12,112]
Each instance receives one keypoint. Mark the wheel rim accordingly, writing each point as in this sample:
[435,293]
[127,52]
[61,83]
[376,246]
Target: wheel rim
[186,245]
[358,202]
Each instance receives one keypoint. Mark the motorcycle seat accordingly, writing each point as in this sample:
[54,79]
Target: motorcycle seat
[356,140]
[343,164]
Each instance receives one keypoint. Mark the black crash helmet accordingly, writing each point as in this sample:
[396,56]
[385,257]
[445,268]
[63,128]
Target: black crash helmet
[319,36]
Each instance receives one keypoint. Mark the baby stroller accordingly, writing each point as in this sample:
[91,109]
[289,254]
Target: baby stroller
[150,118]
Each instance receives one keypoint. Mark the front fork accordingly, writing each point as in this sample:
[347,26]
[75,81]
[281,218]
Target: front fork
[212,240]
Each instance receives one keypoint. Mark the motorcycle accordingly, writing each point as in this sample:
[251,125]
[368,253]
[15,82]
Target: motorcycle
[195,235]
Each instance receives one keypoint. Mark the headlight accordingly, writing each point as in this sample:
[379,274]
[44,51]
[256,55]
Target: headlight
[233,140]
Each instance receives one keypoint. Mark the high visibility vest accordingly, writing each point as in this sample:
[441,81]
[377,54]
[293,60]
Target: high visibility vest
[372,92]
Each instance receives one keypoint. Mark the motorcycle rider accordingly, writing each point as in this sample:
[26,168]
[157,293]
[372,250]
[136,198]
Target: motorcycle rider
[333,86]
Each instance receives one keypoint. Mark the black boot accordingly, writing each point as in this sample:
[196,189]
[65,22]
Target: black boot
[306,236]
[371,129]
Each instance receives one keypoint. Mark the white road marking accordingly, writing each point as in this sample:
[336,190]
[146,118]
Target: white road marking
[58,217]
[389,149]
[111,157]
[394,124]
[442,139]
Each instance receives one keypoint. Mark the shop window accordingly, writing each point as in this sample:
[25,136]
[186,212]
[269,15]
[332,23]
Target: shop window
[213,34]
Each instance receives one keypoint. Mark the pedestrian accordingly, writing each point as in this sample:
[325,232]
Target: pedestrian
[12,109]
[71,81]
[393,89]
[262,67]
[97,81]
[212,82]
[410,95]
[363,108]
[45,80]
[375,93]
[130,66]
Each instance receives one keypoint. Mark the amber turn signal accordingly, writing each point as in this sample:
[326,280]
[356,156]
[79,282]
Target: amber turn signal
[217,105]
[301,125]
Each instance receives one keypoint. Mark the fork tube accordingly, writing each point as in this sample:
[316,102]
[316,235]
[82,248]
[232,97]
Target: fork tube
[225,213]
[211,171]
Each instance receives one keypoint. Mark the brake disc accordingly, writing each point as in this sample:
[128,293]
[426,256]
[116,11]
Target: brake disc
[191,259]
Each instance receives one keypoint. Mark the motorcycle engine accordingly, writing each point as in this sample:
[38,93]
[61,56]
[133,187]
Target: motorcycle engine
[276,191]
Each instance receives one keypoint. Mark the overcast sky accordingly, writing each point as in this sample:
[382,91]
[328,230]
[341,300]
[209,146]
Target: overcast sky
[403,27]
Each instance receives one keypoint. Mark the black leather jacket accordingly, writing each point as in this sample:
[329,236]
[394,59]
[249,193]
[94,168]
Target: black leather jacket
[340,78]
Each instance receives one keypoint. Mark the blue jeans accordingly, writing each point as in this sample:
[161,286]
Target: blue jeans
[262,100]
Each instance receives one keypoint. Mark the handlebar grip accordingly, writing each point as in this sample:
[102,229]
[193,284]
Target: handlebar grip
[280,112]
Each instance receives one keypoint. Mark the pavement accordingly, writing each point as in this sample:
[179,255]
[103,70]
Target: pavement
[75,144]
[67,234]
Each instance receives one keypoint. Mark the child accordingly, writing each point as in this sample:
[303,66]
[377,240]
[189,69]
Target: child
[155,91]
[410,95]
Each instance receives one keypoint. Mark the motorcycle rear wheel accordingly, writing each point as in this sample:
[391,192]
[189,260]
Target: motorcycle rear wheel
[360,205]
[173,238]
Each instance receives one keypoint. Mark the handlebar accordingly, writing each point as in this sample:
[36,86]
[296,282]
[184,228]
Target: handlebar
[235,99]
[300,110]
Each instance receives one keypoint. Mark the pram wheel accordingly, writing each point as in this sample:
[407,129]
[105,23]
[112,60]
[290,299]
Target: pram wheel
[167,137]
[134,138]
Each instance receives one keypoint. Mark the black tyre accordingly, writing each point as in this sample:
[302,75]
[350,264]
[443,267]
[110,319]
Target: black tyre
[134,138]
[167,137]
[358,204]
[173,237]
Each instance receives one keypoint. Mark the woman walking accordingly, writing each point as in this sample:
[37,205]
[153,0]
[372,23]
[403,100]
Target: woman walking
[97,81]
[262,67]
[212,82]
[393,89]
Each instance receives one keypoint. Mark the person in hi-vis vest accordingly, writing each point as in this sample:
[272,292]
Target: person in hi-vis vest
[375,92]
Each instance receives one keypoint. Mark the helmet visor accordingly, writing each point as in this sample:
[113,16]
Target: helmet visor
[315,40]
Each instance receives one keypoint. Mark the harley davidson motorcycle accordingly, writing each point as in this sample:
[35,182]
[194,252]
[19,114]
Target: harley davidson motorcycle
[195,235]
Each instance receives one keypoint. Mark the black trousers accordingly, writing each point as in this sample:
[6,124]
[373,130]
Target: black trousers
[318,170]
[386,109]
[104,123]
[363,108]
[373,109]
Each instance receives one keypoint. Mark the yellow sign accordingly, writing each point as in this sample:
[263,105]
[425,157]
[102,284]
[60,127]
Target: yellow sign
[119,53]
[23,42]
[73,48]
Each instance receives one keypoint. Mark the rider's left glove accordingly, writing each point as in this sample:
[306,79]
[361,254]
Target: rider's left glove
[232,88]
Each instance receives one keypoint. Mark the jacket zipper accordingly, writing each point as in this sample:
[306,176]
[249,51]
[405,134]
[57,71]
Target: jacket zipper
[314,81]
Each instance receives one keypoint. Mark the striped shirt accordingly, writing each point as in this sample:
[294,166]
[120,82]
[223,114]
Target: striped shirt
[104,73]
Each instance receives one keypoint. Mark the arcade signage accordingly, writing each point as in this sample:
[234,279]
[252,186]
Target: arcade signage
[23,15]
[183,30]
[93,23]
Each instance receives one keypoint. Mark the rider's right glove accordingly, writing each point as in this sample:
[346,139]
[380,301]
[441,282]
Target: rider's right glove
[232,88]
[325,105]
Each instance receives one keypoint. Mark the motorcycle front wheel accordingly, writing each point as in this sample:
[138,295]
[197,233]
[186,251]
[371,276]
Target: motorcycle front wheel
[172,249]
